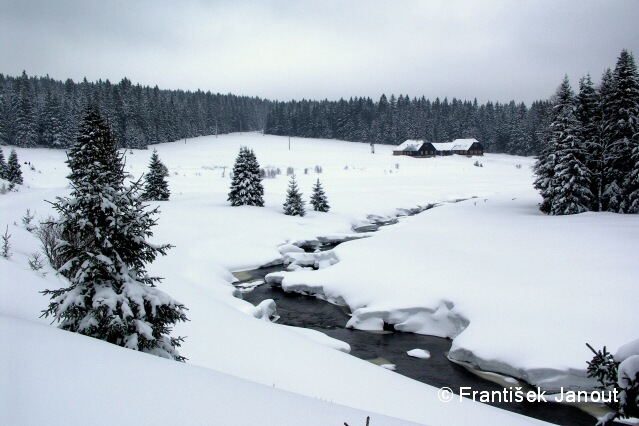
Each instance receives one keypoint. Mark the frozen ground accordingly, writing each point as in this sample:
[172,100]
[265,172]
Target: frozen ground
[521,292]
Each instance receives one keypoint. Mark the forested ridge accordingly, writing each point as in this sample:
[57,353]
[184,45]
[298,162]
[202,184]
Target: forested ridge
[40,111]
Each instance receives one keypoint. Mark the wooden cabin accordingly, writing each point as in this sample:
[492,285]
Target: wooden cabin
[415,148]
[468,147]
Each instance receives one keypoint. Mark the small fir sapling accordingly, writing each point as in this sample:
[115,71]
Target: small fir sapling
[26,221]
[13,172]
[156,187]
[6,245]
[318,198]
[294,204]
[36,263]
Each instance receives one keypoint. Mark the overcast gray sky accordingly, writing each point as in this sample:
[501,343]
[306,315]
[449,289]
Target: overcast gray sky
[489,50]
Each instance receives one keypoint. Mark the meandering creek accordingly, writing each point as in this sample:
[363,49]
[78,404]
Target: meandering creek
[390,347]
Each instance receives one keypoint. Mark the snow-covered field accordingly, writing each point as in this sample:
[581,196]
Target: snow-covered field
[520,292]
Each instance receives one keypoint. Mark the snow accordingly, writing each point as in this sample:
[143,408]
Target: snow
[418,353]
[628,371]
[472,270]
[410,145]
[627,350]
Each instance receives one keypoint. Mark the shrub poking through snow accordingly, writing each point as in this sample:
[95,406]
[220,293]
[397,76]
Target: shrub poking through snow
[622,377]
[6,245]
[246,183]
[36,263]
[156,188]
[26,221]
[318,198]
[294,205]
[49,232]
[103,230]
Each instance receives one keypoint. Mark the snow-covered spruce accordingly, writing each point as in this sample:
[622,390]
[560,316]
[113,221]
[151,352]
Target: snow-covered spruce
[156,188]
[246,184]
[633,183]
[564,179]
[571,181]
[13,172]
[294,205]
[318,198]
[3,166]
[621,129]
[104,230]
[619,373]
[588,112]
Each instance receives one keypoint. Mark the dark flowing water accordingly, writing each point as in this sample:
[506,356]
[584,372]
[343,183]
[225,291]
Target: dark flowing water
[391,347]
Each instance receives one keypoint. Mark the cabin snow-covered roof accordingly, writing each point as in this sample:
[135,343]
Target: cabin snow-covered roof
[443,146]
[456,145]
[410,145]
[463,144]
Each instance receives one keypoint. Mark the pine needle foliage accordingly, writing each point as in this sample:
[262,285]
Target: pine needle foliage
[294,204]
[13,172]
[3,166]
[156,187]
[104,229]
[246,184]
[318,198]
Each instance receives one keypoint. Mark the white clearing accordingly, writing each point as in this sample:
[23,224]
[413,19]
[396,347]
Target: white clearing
[520,292]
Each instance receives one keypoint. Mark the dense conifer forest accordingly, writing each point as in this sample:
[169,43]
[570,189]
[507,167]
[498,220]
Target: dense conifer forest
[40,111]
[508,128]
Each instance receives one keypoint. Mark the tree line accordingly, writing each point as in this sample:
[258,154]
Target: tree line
[511,128]
[590,157]
[40,111]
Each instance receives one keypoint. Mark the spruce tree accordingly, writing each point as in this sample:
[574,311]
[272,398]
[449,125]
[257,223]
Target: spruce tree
[318,198]
[294,205]
[633,183]
[13,172]
[25,132]
[246,184]
[567,191]
[621,127]
[3,166]
[156,188]
[104,229]
[588,113]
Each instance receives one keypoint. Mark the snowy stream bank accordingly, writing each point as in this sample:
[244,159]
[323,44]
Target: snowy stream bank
[384,338]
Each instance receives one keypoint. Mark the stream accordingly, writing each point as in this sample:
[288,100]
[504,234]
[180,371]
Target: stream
[390,346]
